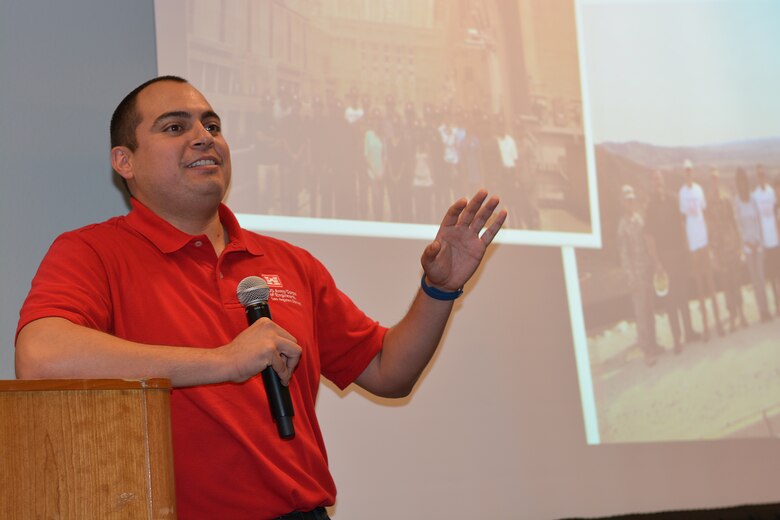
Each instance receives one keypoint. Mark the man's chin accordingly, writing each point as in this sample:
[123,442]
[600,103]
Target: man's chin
[209,193]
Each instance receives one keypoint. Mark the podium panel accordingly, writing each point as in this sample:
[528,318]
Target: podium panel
[84,449]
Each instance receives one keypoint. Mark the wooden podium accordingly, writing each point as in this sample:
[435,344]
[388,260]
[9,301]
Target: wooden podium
[86,448]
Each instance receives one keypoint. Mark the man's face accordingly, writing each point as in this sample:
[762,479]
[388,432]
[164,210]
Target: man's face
[182,162]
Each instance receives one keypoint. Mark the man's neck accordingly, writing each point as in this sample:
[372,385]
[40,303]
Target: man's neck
[211,227]
[198,223]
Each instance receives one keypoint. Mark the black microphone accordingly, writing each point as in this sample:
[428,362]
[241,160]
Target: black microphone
[253,293]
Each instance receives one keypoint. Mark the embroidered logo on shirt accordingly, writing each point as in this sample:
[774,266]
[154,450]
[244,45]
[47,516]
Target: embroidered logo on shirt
[277,291]
[284,296]
[272,280]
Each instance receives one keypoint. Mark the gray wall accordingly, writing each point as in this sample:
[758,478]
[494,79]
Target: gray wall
[64,65]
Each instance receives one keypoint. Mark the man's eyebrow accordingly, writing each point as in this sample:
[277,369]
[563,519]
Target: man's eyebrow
[210,114]
[182,114]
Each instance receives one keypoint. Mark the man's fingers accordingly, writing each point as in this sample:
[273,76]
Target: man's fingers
[266,344]
[286,358]
[484,214]
[472,208]
[277,329]
[288,347]
[472,213]
[453,213]
[490,233]
[279,365]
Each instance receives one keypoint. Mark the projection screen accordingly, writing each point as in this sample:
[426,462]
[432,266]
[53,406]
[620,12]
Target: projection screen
[613,127]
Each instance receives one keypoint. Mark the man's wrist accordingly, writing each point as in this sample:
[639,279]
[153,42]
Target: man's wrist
[438,294]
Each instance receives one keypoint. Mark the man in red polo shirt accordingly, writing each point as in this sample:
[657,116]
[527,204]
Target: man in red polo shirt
[153,294]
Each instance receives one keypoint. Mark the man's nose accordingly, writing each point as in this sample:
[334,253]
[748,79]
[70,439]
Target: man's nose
[202,137]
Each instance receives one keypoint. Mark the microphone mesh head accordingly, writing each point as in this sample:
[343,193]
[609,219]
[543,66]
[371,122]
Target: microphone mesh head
[252,290]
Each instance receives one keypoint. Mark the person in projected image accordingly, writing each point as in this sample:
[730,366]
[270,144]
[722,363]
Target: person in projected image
[372,184]
[452,137]
[726,249]
[319,170]
[338,198]
[637,264]
[765,197]
[422,183]
[399,146]
[153,294]
[354,162]
[473,167]
[748,216]
[432,120]
[264,132]
[293,152]
[693,205]
[509,157]
[668,248]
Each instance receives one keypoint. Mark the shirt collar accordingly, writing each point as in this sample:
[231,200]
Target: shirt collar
[169,239]
[238,236]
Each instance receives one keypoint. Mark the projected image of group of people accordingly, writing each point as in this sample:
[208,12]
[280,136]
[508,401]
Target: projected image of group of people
[720,254]
[388,111]
[349,159]
[689,279]
[681,303]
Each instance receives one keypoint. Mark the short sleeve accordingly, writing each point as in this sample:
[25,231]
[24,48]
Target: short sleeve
[71,283]
[348,339]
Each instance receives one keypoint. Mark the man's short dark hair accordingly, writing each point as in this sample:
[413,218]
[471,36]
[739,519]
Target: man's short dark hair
[126,118]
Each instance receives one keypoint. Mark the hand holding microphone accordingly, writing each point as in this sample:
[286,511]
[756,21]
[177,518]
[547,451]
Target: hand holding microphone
[253,294]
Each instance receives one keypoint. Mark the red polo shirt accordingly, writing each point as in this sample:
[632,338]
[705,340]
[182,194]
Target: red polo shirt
[139,278]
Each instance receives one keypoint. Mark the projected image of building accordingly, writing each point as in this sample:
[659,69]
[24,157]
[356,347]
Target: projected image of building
[499,80]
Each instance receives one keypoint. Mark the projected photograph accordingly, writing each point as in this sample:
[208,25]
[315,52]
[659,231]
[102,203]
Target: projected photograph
[346,112]
[681,305]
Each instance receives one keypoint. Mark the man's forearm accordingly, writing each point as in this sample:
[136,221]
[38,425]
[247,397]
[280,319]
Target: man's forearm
[56,348]
[448,262]
[407,348]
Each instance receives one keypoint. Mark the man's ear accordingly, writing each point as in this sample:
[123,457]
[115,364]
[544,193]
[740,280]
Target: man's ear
[122,161]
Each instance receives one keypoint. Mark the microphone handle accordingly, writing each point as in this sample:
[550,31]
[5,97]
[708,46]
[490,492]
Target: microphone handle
[278,394]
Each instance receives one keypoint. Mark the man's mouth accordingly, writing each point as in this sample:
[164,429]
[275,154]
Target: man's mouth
[202,162]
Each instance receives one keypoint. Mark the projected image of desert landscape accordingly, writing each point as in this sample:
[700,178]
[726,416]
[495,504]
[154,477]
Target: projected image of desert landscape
[682,303]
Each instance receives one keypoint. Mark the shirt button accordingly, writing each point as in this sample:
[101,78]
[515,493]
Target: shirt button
[198,243]
[221,275]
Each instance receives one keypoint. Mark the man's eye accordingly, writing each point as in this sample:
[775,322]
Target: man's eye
[214,128]
[175,128]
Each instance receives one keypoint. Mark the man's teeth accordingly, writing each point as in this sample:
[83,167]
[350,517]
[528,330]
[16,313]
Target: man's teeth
[203,162]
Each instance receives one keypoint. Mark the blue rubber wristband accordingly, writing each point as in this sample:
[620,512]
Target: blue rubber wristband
[438,294]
